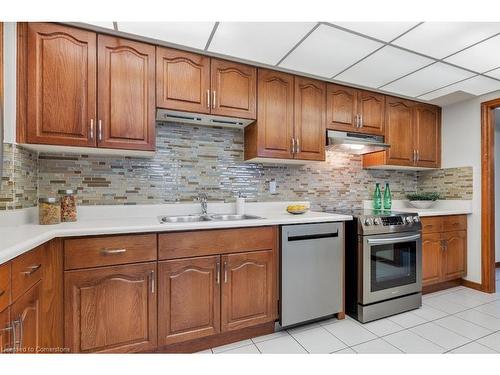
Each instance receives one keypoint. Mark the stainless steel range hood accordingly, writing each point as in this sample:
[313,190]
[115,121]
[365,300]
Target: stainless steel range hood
[355,143]
[167,115]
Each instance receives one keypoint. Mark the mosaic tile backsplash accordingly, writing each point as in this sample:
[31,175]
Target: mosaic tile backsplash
[192,159]
[18,187]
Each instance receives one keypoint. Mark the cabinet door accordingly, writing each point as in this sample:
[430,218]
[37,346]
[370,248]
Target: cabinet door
[399,132]
[189,299]
[111,309]
[310,102]
[274,126]
[183,80]
[233,89]
[341,107]
[248,289]
[6,338]
[427,135]
[61,85]
[432,254]
[455,255]
[25,313]
[126,106]
[372,112]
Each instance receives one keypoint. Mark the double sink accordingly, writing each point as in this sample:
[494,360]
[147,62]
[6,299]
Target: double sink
[201,218]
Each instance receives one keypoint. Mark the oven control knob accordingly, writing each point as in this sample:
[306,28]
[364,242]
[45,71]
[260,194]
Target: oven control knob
[409,219]
[368,221]
[377,221]
[416,219]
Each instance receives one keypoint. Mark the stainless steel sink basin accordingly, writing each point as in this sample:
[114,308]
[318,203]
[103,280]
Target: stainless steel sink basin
[183,219]
[233,217]
[201,218]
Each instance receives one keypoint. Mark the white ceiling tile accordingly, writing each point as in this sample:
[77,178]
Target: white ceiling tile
[385,31]
[480,58]
[191,34]
[328,51]
[477,85]
[265,42]
[494,73]
[107,25]
[427,79]
[373,72]
[441,39]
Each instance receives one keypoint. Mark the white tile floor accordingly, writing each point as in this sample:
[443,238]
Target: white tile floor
[457,320]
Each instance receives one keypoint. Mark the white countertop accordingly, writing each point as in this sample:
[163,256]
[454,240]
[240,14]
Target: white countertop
[18,232]
[440,208]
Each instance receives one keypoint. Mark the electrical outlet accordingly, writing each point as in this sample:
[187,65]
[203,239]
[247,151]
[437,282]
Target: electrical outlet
[272,186]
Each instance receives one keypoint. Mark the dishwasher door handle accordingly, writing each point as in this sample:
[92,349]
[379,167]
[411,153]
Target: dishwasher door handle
[316,236]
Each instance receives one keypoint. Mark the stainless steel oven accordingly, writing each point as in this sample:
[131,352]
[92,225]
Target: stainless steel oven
[383,264]
[391,266]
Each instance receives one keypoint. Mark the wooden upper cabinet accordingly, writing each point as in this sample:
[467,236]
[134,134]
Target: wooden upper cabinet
[310,119]
[341,107]
[189,299]
[126,106]
[248,289]
[399,132]
[427,135]
[26,315]
[234,89]
[271,136]
[183,80]
[111,309]
[371,109]
[60,94]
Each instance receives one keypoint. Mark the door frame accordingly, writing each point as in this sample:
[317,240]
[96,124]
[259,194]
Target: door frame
[488,195]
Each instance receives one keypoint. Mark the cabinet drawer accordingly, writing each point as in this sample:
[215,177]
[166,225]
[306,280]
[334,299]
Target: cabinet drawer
[4,286]
[454,222]
[107,251]
[212,242]
[27,271]
[433,224]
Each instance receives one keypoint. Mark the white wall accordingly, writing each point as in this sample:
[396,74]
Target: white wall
[497,184]
[461,146]
[9,82]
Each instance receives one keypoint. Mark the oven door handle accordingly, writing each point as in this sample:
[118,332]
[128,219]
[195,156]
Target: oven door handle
[385,241]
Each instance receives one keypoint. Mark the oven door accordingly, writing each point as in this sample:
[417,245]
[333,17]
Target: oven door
[390,266]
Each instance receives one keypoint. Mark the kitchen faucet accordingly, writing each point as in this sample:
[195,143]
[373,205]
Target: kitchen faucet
[202,197]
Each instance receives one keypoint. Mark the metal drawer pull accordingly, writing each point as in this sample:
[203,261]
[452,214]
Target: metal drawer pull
[113,251]
[32,270]
[383,241]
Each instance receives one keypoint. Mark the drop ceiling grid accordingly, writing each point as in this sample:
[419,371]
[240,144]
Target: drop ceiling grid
[372,48]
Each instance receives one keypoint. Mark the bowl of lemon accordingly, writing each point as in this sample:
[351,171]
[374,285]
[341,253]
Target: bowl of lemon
[297,209]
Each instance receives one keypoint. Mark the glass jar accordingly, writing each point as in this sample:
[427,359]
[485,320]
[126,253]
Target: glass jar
[68,205]
[49,211]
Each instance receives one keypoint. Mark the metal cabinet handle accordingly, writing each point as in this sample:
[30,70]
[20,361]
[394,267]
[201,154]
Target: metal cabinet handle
[297,145]
[17,344]
[217,273]
[100,130]
[356,121]
[152,277]
[418,156]
[213,99]
[32,270]
[91,128]
[7,329]
[208,98]
[225,272]
[360,121]
[113,251]
[293,145]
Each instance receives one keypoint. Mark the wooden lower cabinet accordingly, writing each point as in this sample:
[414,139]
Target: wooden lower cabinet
[248,289]
[111,309]
[26,318]
[188,299]
[6,338]
[444,251]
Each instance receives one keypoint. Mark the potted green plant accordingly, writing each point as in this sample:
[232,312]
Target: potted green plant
[422,200]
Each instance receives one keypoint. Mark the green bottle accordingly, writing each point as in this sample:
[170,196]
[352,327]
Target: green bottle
[377,197]
[387,197]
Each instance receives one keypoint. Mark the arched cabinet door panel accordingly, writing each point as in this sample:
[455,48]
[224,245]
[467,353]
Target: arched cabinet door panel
[248,289]
[427,135]
[341,107]
[189,299]
[399,132]
[111,309]
[432,254]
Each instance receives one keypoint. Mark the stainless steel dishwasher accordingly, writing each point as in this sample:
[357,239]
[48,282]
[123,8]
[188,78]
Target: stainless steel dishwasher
[311,267]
